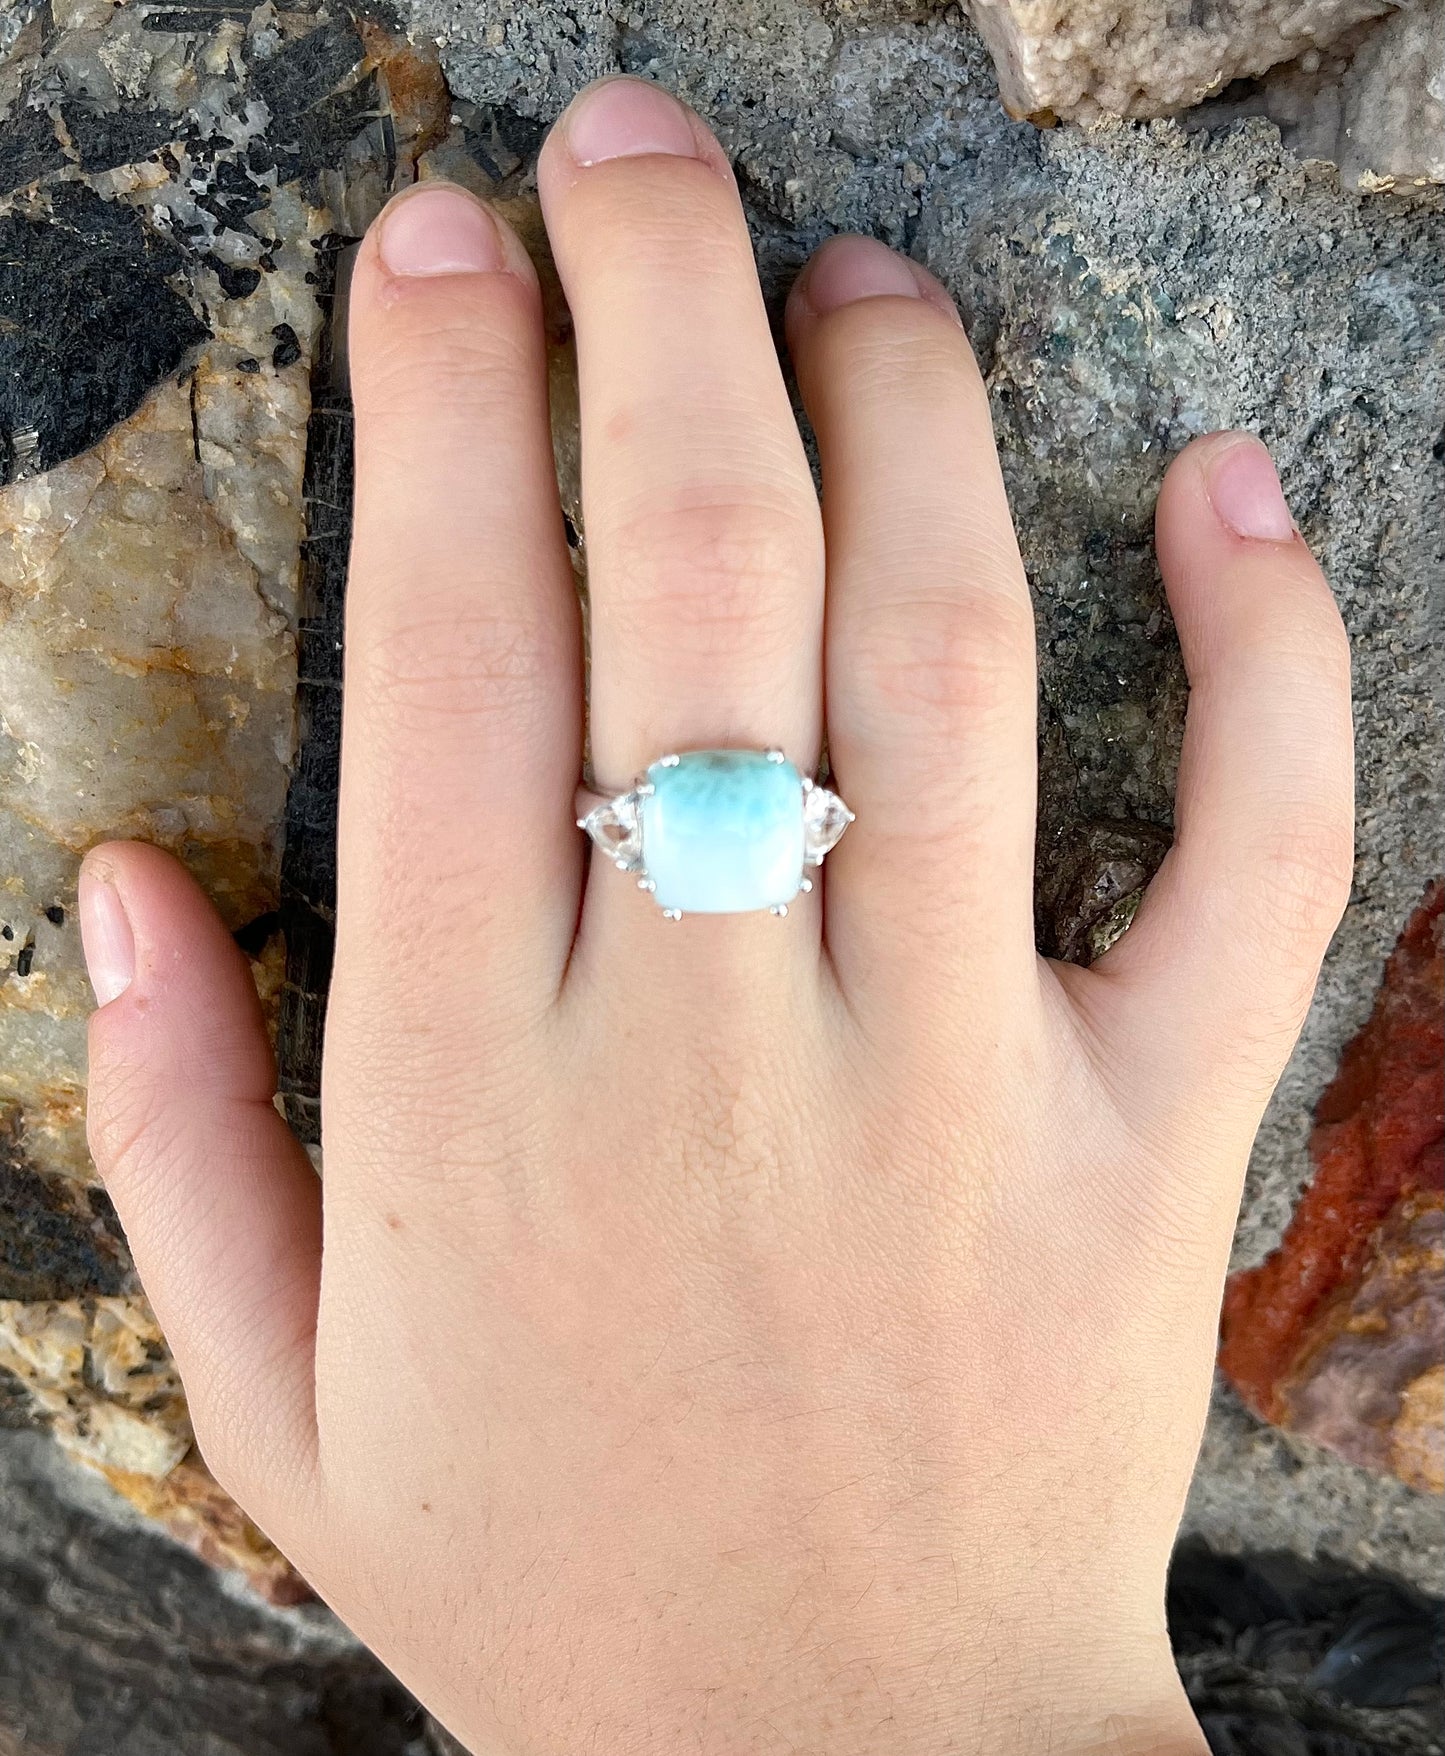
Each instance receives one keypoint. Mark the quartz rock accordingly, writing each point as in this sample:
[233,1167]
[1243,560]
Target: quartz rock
[169,714]
[163,211]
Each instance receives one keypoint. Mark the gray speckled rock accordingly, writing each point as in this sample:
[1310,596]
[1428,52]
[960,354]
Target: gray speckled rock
[1126,287]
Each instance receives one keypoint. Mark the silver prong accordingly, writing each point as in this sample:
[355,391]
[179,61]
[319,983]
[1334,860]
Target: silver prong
[644,789]
[775,755]
[621,865]
[671,760]
[647,885]
[779,909]
[806,885]
[581,822]
[672,914]
[808,783]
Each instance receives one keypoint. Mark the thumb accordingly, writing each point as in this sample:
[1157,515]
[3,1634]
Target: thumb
[220,1204]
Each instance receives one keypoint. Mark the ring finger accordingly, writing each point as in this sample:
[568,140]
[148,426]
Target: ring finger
[704,542]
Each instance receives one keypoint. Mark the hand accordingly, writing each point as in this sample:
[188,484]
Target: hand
[742,1335]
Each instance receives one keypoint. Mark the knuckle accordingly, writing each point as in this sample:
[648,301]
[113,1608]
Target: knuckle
[451,658]
[1304,872]
[660,222]
[905,351]
[711,574]
[947,662]
[130,1129]
[448,357]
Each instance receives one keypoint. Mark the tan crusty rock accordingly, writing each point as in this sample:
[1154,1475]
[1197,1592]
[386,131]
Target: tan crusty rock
[1083,58]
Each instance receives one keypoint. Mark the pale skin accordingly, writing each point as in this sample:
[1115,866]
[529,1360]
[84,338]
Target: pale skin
[735,1336]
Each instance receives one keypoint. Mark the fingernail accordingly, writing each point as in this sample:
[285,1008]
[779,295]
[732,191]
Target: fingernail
[851,268]
[439,229]
[1244,491]
[106,937]
[625,118]
[848,269]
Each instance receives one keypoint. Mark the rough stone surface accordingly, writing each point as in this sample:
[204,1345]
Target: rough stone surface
[114,1640]
[1340,1333]
[1259,1488]
[1285,1657]
[1373,104]
[1076,58]
[156,322]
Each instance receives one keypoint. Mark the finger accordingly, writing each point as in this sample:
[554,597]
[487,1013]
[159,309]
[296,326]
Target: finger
[930,638]
[463,690]
[705,560]
[220,1205]
[1219,966]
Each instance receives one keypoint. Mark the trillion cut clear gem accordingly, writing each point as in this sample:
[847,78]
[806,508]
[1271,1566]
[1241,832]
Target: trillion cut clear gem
[825,817]
[616,827]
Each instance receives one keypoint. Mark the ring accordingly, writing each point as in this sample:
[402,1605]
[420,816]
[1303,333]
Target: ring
[718,832]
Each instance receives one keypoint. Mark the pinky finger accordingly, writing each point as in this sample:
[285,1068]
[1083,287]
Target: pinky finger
[1213,979]
[219,1202]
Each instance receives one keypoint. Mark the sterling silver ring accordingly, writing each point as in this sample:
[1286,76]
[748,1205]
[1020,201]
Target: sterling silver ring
[717,832]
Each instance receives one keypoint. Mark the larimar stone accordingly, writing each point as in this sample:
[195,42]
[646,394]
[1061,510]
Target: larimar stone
[722,832]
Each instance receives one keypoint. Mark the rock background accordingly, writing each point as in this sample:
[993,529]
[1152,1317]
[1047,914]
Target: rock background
[1125,286]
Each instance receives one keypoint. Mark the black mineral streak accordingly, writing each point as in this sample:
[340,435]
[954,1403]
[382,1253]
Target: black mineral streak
[29,149]
[287,350]
[88,325]
[305,71]
[236,283]
[59,1241]
[104,139]
[312,121]
[252,938]
[308,868]
[199,16]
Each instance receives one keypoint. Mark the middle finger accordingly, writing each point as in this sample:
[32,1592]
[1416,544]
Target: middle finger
[704,542]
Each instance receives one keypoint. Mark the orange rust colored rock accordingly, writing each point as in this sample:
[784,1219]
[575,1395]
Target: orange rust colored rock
[191,1505]
[416,94]
[1340,1334]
